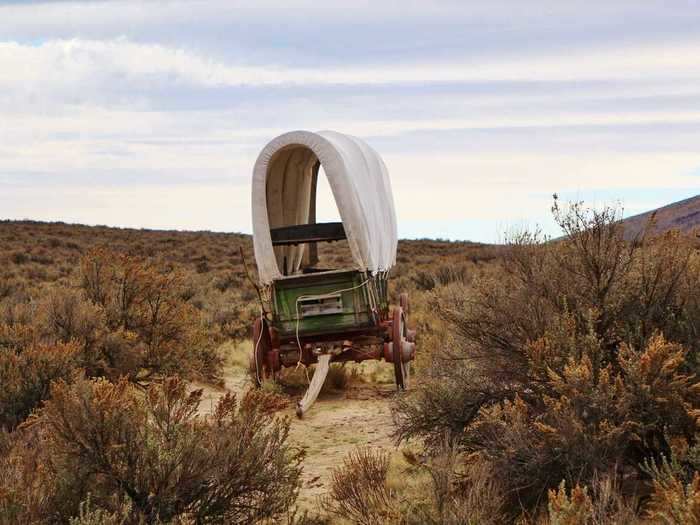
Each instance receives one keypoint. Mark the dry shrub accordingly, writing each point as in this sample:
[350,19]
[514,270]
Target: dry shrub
[674,502]
[576,361]
[443,275]
[228,280]
[359,492]
[26,486]
[88,515]
[464,491]
[16,325]
[10,286]
[440,490]
[424,280]
[604,505]
[595,424]
[574,508]
[264,401]
[25,378]
[228,315]
[444,404]
[225,298]
[128,319]
[152,455]
[19,258]
[338,377]
[64,315]
[478,495]
[151,330]
[676,485]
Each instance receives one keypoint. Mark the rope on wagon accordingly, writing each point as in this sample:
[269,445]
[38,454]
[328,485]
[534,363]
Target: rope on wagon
[257,343]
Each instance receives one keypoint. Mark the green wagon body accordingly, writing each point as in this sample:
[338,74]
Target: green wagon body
[327,302]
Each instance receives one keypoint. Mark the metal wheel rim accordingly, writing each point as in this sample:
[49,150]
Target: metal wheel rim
[401,369]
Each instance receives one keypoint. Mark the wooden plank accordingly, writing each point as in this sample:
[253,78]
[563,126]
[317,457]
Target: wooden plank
[305,233]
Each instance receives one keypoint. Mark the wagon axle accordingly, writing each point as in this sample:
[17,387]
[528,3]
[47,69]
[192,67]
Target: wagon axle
[398,347]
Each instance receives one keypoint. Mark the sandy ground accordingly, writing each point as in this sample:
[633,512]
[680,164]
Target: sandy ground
[335,425]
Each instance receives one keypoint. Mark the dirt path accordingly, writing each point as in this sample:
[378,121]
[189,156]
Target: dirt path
[335,425]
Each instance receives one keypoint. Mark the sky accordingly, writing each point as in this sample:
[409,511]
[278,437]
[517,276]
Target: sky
[151,113]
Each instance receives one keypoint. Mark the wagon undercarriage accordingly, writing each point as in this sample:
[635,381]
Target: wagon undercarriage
[378,343]
[272,354]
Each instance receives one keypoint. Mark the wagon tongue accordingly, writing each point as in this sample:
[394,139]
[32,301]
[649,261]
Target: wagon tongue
[317,381]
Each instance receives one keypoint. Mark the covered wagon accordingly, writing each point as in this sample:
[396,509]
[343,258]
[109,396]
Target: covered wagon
[313,314]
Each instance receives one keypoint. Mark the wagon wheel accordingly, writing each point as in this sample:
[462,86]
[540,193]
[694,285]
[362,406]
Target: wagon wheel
[402,369]
[262,345]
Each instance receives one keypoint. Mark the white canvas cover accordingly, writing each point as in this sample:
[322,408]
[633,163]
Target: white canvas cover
[284,194]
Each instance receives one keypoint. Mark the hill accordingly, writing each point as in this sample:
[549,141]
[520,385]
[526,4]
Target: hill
[682,215]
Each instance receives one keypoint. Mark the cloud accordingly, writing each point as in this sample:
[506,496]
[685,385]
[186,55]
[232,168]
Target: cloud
[337,32]
[76,63]
[152,114]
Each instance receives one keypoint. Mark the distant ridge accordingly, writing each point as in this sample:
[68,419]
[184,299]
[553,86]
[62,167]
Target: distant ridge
[682,215]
